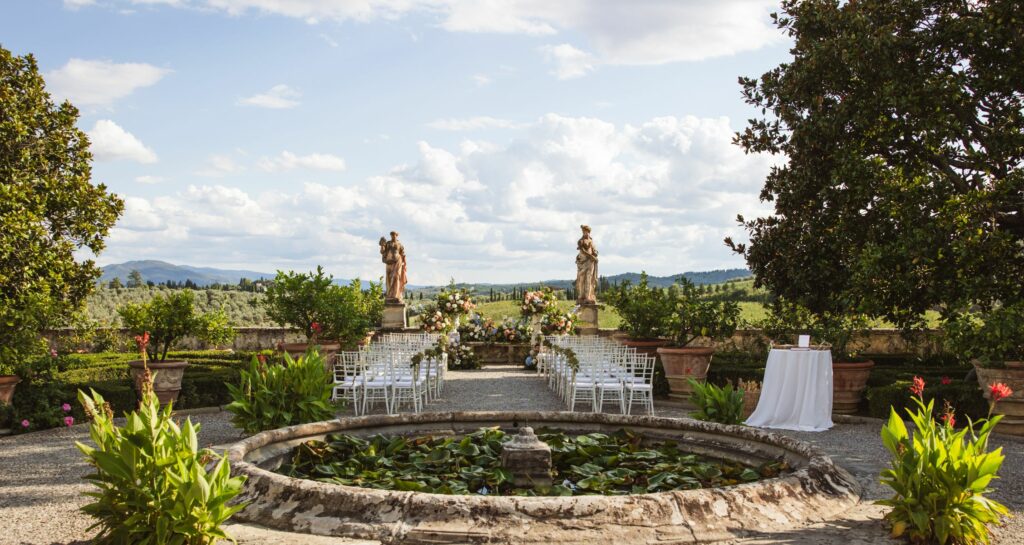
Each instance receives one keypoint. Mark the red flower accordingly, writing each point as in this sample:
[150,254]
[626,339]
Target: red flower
[946,381]
[949,419]
[142,341]
[999,391]
[315,326]
[917,388]
[262,358]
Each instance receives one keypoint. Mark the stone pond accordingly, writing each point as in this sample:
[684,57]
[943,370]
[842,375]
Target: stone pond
[814,490]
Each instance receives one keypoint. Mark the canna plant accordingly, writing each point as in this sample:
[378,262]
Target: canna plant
[717,404]
[940,475]
[273,396]
[153,483]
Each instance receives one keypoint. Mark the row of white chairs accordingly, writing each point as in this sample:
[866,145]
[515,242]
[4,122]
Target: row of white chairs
[383,372]
[607,372]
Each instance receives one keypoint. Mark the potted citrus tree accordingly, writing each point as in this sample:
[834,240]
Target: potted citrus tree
[693,319]
[163,322]
[994,341]
[332,317]
[647,314]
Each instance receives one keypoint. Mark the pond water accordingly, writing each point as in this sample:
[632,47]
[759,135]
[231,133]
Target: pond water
[618,463]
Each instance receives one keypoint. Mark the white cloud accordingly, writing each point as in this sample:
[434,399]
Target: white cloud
[288,160]
[330,41]
[277,97]
[110,142]
[100,82]
[661,195]
[481,80]
[474,123]
[569,61]
[149,180]
[218,166]
[617,32]
[75,4]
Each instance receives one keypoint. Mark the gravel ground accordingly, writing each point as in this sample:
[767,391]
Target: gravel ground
[41,486]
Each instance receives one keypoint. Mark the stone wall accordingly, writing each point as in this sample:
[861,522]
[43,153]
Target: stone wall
[872,342]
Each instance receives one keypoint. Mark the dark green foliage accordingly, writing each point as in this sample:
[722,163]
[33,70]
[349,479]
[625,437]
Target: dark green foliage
[695,317]
[343,313]
[965,397]
[272,395]
[153,481]
[646,311]
[992,337]
[49,211]
[169,318]
[596,463]
[717,404]
[901,123]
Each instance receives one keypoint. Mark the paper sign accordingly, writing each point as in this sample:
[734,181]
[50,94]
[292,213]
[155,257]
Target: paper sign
[804,341]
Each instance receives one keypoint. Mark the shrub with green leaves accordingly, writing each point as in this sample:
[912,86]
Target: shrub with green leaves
[647,312]
[940,476]
[153,486]
[717,404]
[169,318]
[696,317]
[272,395]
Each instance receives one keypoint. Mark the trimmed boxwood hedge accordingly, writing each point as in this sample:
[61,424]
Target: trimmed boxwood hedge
[39,400]
[965,397]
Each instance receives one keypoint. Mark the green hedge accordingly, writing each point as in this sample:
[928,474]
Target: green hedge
[39,400]
[965,397]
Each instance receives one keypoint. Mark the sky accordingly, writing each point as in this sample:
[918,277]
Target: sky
[285,134]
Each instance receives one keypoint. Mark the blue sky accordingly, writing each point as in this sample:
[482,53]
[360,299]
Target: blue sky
[271,134]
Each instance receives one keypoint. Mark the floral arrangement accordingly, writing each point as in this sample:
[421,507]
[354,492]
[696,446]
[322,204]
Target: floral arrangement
[478,329]
[513,331]
[461,356]
[434,321]
[940,475]
[556,322]
[455,301]
[537,302]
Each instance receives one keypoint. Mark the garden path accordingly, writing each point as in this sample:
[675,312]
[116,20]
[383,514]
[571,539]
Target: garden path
[41,473]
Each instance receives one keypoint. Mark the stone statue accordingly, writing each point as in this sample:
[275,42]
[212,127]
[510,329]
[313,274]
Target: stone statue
[586,269]
[392,253]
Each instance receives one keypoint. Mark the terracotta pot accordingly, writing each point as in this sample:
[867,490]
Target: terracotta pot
[848,382]
[1012,408]
[7,384]
[167,377]
[327,350]
[750,400]
[645,346]
[682,364]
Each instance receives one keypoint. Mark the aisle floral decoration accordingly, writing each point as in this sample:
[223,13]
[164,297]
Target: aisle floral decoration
[513,331]
[434,321]
[556,322]
[454,302]
[537,302]
[478,329]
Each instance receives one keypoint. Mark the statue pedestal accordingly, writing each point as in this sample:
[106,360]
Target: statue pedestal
[587,319]
[394,316]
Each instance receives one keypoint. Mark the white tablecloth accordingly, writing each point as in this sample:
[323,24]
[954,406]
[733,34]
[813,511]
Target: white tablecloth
[797,391]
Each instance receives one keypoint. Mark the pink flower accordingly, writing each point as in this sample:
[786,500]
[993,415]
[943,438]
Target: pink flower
[24,423]
[66,407]
[999,391]
[53,353]
[69,421]
[946,381]
[917,388]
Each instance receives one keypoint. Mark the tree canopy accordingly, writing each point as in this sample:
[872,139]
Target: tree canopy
[49,208]
[902,122]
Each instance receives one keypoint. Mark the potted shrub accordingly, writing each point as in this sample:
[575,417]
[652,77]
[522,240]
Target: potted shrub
[994,340]
[163,322]
[20,343]
[850,371]
[646,314]
[694,318]
[332,317]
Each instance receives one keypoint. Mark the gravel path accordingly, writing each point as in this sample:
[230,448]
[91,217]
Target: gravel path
[41,486]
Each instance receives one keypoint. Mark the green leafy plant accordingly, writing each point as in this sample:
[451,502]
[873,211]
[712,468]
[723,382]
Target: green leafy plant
[152,480]
[786,320]
[273,396]
[596,463]
[940,475]
[992,338]
[647,312]
[313,303]
[717,404]
[696,317]
[171,317]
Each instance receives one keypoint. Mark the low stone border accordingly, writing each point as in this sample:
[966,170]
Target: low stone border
[815,491]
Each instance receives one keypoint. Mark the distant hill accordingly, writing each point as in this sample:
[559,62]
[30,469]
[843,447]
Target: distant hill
[697,277]
[161,271]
